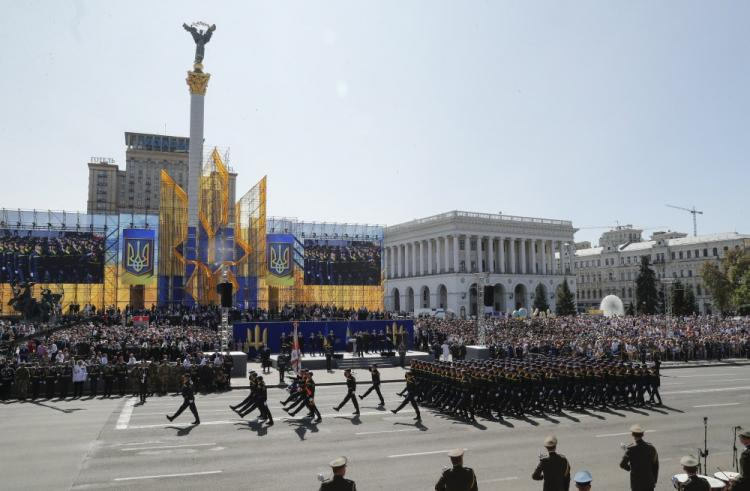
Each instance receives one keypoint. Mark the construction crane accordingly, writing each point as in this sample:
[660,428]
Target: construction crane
[694,212]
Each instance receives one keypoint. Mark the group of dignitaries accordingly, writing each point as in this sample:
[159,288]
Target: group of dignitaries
[99,375]
[537,385]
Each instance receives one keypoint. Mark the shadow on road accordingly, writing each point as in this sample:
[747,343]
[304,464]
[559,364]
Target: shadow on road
[418,425]
[182,430]
[353,419]
[66,411]
[302,426]
[257,426]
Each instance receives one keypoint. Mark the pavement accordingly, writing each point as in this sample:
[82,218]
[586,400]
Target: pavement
[118,444]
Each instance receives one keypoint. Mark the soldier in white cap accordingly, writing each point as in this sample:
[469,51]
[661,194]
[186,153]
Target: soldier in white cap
[338,482]
[458,477]
[553,469]
[642,461]
[694,482]
[583,480]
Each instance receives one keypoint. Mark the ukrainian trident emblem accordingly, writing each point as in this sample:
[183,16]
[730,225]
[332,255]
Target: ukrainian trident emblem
[280,259]
[139,256]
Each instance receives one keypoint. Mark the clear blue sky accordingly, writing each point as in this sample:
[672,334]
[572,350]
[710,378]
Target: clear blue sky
[380,112]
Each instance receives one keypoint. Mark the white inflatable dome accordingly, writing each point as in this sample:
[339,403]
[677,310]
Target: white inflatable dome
[612,306]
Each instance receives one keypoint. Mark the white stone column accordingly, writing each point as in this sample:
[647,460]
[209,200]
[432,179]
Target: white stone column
[522,258]
[455,253]
[501,255]
[491,247]
[429,257]
[543,255]
[512,251]
[533,256]
[480,254]
[552,257]
[467,253]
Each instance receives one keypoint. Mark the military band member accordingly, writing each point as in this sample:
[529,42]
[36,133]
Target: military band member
[351,389]
[188,401]
[642,461]
[458,477]
[742,483]
[553,469]
[338,482]
[694,482]
[375,374]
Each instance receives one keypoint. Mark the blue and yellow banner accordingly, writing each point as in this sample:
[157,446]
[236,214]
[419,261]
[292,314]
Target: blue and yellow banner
[279,259]
[138,248]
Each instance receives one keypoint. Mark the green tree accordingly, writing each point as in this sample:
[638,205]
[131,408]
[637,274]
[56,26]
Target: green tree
[540,298]
[728,282]
[645,288]
[566,304]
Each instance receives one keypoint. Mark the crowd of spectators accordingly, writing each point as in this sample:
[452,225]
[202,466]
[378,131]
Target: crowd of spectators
[350,263]
[642,338]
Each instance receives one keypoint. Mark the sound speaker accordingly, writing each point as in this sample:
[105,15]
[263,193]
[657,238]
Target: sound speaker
[225,292]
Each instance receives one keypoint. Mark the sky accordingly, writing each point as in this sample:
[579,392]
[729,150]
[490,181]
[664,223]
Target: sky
[599,112]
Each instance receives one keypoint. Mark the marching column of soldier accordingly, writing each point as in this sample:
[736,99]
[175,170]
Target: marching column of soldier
[100,376]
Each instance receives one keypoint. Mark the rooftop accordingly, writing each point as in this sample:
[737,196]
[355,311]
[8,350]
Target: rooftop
[683,241]
[455,215]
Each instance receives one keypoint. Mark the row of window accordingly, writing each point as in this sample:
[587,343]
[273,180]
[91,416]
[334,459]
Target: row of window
[625,293]
[659,257]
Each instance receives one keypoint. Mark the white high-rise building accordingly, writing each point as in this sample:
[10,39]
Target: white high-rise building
[442,261]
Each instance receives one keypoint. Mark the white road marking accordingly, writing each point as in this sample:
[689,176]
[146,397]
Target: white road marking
[138,443]
[499,479]
[163,425]
[419,453]
[386,431]
[704,375]
[701,391]
[160,476]
[719,405]
[166,446]
[619,434]
[127,411]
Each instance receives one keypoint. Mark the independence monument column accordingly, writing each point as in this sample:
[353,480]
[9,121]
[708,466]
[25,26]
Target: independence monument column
[197,81]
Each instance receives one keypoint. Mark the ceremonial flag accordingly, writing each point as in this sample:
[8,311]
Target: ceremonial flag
[295,359]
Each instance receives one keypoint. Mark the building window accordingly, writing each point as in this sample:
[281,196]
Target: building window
[715,252]
[461,244]
[680,254]
[698,289]
[673,256]
[705,252]
[688,254]
[630,292]
[690,273]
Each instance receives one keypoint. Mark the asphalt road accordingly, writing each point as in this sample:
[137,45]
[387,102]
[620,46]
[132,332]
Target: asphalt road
[115,444]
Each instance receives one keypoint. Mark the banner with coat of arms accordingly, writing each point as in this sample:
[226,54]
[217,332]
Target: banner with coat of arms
[138,253]
[280,259]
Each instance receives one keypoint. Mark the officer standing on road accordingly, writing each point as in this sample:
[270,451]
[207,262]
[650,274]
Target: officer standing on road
[458,477]
[583,480]
[329,357]
[351,389]
[188,401]
[281,366]
[642,461]
[554,469]
[338,482]
[694,482]
[143,378]
[742,483]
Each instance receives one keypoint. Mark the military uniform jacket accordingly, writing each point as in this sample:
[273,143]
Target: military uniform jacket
[642,461]
[351,384]
[458,478]
[555,471]
[338,483]
[695,483]
[742,483]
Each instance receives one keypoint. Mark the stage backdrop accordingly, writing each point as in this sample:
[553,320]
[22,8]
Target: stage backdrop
[253,334]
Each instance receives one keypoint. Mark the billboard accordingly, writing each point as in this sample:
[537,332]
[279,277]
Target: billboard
[138,252]
[51,256]
[280,259]
[342,262]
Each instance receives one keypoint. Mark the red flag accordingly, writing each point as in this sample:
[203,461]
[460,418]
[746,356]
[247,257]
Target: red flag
[295,358]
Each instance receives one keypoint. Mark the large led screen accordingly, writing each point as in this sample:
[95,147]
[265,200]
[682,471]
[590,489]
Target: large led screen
[342,262]
[51,256]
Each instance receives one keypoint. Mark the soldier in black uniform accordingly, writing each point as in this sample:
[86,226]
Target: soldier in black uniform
[142,375]
[411,393]
[554,469]
[188,401]
[262,396]
[694,482]
[742,483]
[642,461]
[351,389]
[338,482]
[265,359]
[329,357]
[121,373]
[66,376]
[50,377]
[375,374]
[7,374]
[36,380]
[458,477]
